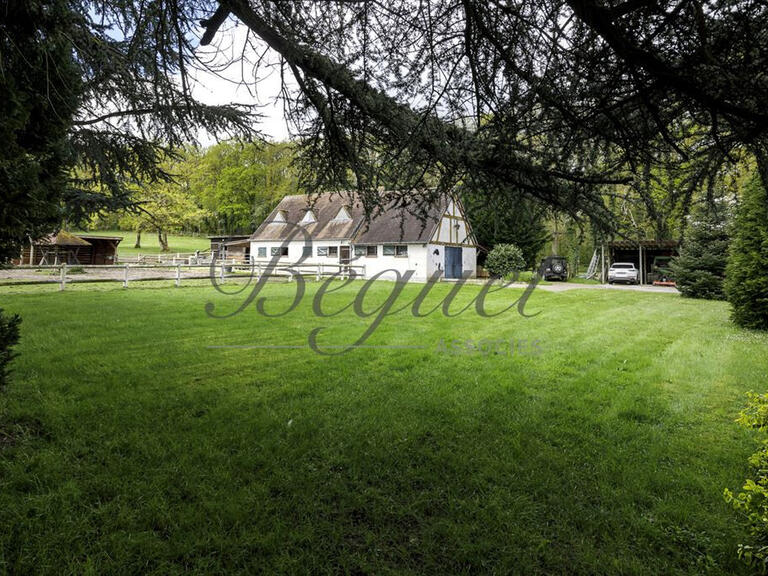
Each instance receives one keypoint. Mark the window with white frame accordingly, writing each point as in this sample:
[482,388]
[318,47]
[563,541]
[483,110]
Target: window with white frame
[262,252]
[281,250]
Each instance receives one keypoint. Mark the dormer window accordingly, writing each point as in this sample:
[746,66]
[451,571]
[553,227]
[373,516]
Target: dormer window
[279,216]
[343,214]
[309,218]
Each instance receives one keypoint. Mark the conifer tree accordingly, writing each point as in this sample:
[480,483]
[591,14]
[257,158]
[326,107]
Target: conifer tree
[746,282]
[699,270]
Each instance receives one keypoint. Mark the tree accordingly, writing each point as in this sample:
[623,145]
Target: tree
[746,283]
[164,207]
[546,100]
[33,127]
[93,97]
[699,269]
[504,259]
[239,183]
[503,219]
[34,119]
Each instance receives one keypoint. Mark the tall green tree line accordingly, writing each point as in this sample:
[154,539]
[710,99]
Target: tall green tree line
[228,188]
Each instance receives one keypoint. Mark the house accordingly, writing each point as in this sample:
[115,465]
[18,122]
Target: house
[396,239]
[68,248]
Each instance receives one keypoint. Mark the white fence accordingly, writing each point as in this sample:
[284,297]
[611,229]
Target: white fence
[200,257]
[64,274]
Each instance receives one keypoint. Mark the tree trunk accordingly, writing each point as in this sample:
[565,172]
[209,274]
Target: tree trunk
[162,238]
[138,239]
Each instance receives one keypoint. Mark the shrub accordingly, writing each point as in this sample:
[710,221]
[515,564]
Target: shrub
[699,270]
[746,277]
[504,260]
[9,336]
[752,501]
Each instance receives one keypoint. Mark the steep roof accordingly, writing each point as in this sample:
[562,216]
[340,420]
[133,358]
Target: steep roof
[401,225]
[325,208]
[87,237]
[394,224]
[64,238]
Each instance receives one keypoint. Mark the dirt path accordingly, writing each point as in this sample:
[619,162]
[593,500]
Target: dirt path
[12,276]
[563,286]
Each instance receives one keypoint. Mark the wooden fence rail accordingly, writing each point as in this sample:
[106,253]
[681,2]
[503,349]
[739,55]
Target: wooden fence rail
[64,274]
[199,257]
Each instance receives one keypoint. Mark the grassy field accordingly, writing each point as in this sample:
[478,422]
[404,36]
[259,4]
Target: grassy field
[150,245]
[526,275]
[128,444]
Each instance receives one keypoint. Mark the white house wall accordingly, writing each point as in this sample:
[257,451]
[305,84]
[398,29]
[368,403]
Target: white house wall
[295,250]
[436,258]
[453,227]
[416,261]
[469,259]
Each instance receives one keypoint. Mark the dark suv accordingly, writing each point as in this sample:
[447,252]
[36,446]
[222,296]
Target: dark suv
[554,268]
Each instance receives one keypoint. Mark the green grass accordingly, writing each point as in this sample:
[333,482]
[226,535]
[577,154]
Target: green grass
[129,446]
[150,244]
[526,275]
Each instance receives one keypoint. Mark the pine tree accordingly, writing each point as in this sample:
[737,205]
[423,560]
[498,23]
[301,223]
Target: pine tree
[699,270]
[506,218]
[746,282]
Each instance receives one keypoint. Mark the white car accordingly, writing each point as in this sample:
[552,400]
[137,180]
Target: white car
[623,272]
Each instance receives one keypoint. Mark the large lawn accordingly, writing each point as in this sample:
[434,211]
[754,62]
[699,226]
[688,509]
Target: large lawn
[128,445]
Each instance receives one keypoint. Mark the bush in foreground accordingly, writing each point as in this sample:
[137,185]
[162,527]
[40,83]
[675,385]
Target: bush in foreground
[752,501]
[9,336]
[504,259]
[746,282]
[699,270]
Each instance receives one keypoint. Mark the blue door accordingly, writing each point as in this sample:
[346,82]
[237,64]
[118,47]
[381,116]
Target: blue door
[452,262]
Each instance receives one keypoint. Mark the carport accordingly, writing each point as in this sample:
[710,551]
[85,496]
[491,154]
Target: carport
[651,257]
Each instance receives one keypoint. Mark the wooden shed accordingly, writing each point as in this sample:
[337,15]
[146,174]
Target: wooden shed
[68,248]
[103,248]
[239,250]
[219,244]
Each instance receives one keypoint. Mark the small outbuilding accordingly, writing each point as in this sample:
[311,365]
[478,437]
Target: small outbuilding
[68,248]
[238,250]
[650,257]
[103,248]
[230,244]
